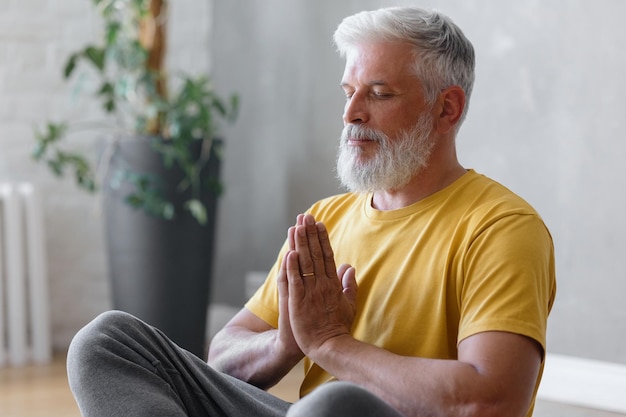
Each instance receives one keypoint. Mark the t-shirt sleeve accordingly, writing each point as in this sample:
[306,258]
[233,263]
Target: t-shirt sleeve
[264,302]
[509,281]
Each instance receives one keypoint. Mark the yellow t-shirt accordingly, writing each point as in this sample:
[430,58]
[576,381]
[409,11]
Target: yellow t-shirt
[470,258]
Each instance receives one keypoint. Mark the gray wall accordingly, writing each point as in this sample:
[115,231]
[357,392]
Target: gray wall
[546,120]
[36,37]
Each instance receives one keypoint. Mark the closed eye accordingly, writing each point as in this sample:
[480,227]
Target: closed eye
[382,95]
[348,92]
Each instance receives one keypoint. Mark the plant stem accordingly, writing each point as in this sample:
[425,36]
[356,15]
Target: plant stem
[152,36]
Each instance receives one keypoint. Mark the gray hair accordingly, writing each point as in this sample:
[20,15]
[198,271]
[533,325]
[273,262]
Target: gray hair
[443,55]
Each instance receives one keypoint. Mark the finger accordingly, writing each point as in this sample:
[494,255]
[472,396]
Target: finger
[302,248]
[327,251]
[283,296]
[296,285]
[281,280]
[292,230]
[285,333]
[314,246]
[291,238]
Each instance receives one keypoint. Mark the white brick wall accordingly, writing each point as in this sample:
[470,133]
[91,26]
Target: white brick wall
[36,36]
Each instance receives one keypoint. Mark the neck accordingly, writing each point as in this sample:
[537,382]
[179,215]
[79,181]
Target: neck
[427,182]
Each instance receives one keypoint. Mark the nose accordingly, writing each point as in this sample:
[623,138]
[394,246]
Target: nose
[355,110]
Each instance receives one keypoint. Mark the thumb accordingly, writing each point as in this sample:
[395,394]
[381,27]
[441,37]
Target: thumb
[347,275]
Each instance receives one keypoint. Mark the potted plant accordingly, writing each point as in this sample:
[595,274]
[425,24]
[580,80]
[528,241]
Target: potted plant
[160,168]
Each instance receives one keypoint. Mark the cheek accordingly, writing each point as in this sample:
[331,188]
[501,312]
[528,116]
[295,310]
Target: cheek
[397,121]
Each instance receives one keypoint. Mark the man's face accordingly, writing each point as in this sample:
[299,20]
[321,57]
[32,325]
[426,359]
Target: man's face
[387,133]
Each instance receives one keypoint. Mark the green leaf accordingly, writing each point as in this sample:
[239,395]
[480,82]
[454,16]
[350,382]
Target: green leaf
[106,89]
[134,200]
[55,167]
[214,185]
[85,181]
[95,56]
[52,134]
[168,211]
[219,106]
[197,210]
[109,106]
[38,151]
[112,32]
[141,6]
[70,66]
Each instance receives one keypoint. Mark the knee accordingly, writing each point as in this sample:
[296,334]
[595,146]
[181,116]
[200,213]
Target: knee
[97,331]
[339,398]
[93,340]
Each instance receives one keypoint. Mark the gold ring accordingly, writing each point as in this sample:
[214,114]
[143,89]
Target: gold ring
[308,274]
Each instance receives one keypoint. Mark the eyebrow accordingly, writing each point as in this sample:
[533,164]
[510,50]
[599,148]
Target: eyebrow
[371,83]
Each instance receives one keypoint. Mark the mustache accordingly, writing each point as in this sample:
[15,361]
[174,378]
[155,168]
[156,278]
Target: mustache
[359,132]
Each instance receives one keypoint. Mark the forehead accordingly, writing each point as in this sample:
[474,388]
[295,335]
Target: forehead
[386,62]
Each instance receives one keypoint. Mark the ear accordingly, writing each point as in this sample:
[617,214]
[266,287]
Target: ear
[449,108]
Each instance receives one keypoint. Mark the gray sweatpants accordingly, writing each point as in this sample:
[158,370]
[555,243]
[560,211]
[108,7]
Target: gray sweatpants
[120,366]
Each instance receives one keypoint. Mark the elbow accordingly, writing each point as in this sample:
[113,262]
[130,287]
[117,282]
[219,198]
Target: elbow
[482,410]
[488,408]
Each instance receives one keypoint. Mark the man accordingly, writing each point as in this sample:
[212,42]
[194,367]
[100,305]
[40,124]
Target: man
[439,306]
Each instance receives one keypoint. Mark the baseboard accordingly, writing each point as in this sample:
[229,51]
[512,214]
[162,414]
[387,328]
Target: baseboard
[584,383]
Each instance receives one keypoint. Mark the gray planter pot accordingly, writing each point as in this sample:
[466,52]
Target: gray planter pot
[160,270]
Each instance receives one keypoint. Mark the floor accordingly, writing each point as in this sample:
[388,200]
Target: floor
[550,409]
[36,391]
[42,391]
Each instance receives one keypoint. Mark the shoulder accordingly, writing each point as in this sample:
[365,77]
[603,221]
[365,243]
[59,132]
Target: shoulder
[484,204]
[485,195]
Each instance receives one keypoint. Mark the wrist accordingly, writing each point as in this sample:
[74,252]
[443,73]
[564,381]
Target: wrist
[286,352]
[331,348]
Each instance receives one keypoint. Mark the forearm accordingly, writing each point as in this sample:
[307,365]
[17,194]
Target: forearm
[418,386]
[254,357]
[395,379]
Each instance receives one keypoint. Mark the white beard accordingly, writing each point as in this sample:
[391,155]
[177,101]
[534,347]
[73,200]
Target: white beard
[395,163]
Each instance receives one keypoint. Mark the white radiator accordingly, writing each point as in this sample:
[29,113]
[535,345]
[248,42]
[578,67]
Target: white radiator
[24,305]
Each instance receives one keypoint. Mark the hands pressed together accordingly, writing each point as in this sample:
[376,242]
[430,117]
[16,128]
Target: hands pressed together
[317,301]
